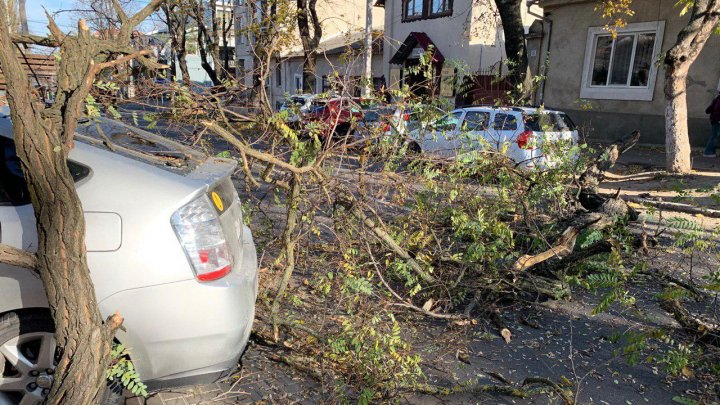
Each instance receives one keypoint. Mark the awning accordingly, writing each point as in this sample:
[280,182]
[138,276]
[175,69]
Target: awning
[414,40]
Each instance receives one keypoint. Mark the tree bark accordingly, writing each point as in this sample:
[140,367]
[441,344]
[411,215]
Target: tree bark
[43,138]
[678,60]
[307,17]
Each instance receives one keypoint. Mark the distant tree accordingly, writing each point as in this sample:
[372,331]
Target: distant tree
[44,137]
[209,30]
[310,29]
[22,16]
[271,25]
[177,19]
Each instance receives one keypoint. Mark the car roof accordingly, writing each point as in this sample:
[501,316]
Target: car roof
[526,110]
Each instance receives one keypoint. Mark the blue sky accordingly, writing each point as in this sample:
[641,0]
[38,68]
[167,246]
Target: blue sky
[65,17]
[37,21]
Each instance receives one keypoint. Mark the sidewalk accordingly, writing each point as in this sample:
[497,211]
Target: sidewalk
[640,175]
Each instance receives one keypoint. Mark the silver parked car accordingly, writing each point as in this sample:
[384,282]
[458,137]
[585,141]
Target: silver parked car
[526,135]
[166,247]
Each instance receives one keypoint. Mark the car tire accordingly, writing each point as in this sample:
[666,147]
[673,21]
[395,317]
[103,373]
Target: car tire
[26,344]
[114,395]
[413,149]
[31,327]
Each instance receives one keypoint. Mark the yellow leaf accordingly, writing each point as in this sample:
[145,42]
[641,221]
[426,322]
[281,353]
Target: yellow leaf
[506,334]
[687,372]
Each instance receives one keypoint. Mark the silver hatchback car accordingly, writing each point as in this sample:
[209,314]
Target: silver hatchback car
[166,247]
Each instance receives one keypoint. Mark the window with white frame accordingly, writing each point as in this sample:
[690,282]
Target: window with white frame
[622,67]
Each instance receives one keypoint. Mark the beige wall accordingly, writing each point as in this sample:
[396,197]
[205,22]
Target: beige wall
[472,34]
[337,17]
[613,118]
[326,66]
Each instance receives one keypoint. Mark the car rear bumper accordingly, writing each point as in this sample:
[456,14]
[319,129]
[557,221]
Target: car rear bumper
[187,330]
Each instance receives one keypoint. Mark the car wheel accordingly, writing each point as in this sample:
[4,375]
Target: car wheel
[27,356]
[413,149]
[114,395]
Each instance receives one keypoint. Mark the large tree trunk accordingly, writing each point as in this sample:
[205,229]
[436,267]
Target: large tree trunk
[678,60]
[43,138]
[61,261]
[677,140]
[515,48]
[307,17]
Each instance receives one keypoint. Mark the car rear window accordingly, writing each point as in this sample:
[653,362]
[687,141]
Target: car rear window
[505,122]
[139,145]
[552,121]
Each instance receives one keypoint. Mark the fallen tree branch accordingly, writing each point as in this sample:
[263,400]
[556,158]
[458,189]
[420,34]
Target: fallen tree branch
[563,246]
[590,180]
[386,238]
[551,384]
[674,207]
[17,257]
[706,330]
[509,390]
[254,153]
[302,364]
[403,302]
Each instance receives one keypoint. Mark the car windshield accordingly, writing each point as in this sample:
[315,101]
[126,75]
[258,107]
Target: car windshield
[549,121]
[377,114]
[317,105]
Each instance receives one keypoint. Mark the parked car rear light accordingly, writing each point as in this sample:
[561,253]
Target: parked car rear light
[198,228]
[524,140]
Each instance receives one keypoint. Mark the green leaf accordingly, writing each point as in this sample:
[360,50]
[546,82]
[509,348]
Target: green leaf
[684,400]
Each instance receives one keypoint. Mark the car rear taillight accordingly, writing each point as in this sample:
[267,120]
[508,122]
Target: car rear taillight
[524,140]
[198,228]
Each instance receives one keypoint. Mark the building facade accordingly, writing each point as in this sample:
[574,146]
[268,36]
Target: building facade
[613,86]
[462,33]
[343,23]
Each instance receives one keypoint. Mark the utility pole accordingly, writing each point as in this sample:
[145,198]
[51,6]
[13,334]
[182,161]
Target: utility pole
[367,91]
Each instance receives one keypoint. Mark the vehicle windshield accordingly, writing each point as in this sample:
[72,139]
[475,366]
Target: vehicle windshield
[549,121]
[377,114]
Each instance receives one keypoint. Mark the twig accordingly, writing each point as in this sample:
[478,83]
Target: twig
[405,303]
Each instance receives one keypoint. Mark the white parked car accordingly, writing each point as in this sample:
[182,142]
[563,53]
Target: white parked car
[524,134]
[297,106]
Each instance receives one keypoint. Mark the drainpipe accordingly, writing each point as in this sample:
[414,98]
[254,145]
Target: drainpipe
[549,21]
